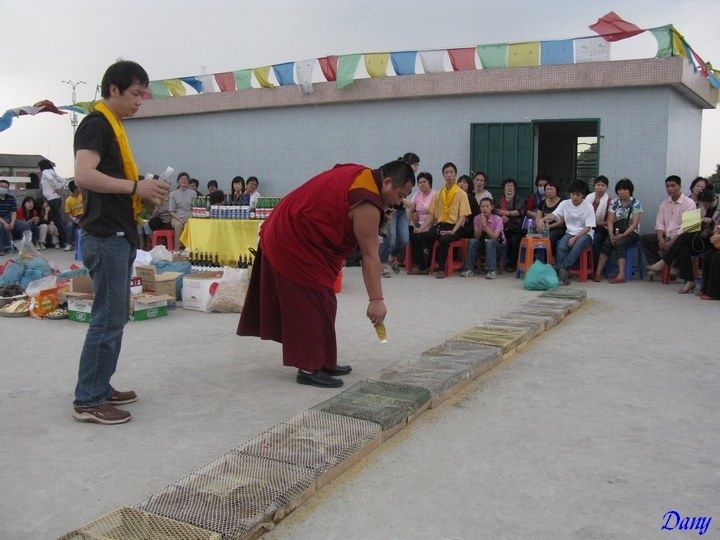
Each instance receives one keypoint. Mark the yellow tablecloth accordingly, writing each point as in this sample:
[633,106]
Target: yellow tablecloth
[229,238]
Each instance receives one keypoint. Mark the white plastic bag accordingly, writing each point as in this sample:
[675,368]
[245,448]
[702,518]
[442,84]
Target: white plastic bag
[160,253]
[25,246]
[230,294]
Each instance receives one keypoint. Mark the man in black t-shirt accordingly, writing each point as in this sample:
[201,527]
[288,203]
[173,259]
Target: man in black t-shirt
[105,169]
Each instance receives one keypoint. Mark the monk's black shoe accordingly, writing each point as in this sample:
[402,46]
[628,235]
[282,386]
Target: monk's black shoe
[321,379]
[339,371]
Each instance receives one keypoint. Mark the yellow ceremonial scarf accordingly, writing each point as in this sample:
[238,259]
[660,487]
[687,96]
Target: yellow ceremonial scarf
[129,167]
[447,197]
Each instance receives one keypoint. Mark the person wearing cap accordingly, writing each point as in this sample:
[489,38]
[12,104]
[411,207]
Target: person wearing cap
[52,185]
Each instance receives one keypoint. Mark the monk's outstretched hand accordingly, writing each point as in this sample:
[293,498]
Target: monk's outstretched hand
[376,311]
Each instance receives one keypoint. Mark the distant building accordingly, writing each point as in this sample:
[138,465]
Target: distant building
[633,118]
[21,170]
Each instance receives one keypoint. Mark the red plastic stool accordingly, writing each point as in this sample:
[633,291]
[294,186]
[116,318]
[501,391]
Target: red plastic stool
[526,253]
[408,257]
[584,268]
[459,248]
[167,234]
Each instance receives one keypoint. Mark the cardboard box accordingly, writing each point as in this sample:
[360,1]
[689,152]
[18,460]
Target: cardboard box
[153,282]
[198,289]
[143,307]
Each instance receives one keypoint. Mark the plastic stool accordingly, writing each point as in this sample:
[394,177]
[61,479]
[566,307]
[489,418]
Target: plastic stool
[584,268]
[458,247]
[526,253]
[78,253]
[408,257]
[629,266]
[167,234]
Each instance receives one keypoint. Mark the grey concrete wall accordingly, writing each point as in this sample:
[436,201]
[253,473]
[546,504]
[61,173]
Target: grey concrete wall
[285,146]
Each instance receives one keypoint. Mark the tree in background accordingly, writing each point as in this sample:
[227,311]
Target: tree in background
[715,177]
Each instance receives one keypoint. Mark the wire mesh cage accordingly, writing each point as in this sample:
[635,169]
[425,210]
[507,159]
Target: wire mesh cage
[314,439]
[234,494]
[530,329]
[571,304]
[133,524]
[477,356]
[551,317]
[563,292]
[439,377]
[546,306]
[385,404]
[505,339]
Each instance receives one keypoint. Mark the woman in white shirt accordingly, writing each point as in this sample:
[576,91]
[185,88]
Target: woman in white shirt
[52,185]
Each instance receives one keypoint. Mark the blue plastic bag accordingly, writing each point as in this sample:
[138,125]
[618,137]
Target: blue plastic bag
[541,277]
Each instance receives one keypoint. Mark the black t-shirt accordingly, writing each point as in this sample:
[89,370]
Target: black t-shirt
[106,214]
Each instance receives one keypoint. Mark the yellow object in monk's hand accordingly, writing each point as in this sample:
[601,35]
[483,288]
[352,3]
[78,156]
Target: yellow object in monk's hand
[381,332]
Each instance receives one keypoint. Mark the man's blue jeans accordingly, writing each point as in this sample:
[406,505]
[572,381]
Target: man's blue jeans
[397,238]
[109,261]
[566,256]
[6,237]
[491,250]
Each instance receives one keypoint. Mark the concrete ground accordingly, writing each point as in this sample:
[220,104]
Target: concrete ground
[601,426]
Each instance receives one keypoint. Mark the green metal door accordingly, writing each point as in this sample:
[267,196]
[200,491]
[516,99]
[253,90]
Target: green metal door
[503,151]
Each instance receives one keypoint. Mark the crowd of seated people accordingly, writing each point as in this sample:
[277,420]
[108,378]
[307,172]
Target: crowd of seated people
[609,225]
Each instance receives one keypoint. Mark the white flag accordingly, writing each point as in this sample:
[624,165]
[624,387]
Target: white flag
[594,49]
[304,75]
[433,61]
[208,82]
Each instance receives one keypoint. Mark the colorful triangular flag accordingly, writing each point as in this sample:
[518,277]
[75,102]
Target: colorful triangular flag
[462,59]
[347,65]
[404,62]
[433,61]
[376,64]
[262,74]
[611,27]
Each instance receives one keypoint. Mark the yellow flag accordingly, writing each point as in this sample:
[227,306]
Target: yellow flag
[175,86]
[376,64]
[678,49]
[261,74]
[524,54]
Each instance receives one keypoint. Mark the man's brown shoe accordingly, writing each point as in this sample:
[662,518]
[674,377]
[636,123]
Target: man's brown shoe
[101,414]
[122,398]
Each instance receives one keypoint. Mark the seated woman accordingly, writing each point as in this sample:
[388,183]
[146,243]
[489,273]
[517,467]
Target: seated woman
[47,224]
[689,245]
[623,222]
[237,189]
[489,236]
[711,268]
[481,192]
[600,201]
[511,210]
[536,198]
[419,205]
[547,206]
[466,185]
[697,186]
[29,214]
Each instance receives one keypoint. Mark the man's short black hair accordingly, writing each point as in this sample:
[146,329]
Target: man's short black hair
[451,165]
[212,183]
[400,172]
[578,186]
[3,181]
[71,185]
[602,179]
[217,197]
[193,182]
[674,178]
[123,74]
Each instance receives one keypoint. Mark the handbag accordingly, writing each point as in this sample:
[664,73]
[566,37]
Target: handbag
[691,221]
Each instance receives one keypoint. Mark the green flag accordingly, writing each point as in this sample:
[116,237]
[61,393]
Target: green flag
[493,56]
[159,90]
[663,35]
[347,65]
[242,79]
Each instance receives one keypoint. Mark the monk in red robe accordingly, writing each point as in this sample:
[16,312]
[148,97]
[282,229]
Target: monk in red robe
[303,245]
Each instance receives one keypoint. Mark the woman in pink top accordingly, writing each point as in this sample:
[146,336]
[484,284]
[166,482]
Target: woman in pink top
[419,207]
[489,235]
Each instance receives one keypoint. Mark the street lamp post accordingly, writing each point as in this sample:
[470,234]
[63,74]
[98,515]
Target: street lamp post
[74,85]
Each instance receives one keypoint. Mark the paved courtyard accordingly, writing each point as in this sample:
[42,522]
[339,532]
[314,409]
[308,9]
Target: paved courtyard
[601,426]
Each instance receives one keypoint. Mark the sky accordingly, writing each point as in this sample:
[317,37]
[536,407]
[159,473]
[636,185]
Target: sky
[48,41]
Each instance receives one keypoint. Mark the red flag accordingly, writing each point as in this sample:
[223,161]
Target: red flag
[611,27]
[462,59]
[328,64]
[225,81]
[701,63]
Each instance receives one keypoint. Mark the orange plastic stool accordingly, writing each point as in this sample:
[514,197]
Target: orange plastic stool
[584,268]
[458,247]
[526,253]
[167,234]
